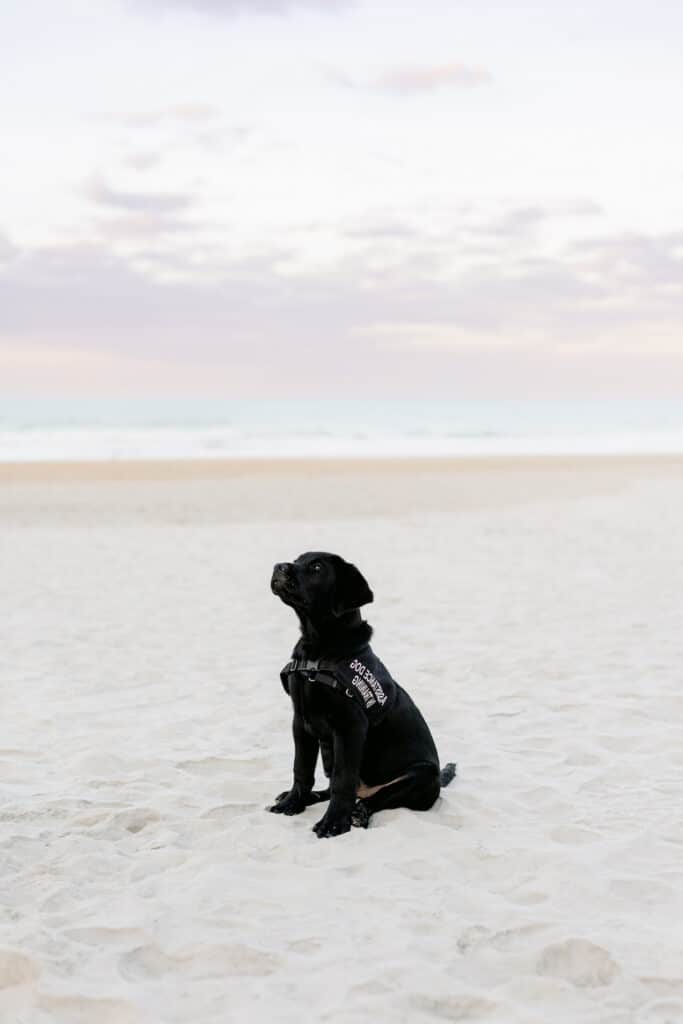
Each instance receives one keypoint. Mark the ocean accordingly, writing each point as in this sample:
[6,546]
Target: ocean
[51,429]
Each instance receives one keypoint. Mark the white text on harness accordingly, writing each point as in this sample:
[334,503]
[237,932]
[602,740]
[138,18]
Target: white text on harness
[367,685]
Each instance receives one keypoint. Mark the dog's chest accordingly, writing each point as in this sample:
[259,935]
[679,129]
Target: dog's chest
[313,703]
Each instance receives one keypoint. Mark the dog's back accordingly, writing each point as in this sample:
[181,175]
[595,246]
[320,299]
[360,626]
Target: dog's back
[402,738]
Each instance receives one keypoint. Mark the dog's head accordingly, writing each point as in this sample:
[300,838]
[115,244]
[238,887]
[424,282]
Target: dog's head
[321,584]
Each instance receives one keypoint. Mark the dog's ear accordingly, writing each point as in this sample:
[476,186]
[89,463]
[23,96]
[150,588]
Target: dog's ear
[351,588]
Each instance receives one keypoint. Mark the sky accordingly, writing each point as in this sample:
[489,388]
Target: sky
[351,198]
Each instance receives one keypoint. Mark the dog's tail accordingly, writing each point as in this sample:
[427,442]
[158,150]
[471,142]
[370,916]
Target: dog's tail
[448,773]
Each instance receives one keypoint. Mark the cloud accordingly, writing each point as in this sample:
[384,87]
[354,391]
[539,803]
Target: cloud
[335,76]
[95,298]
[142,227]
[377,229]
[589,305]
[186,113]
[649,259]
[193,112]
[583,208]
[232,7]
[255,297]
[97,190]
[411,80]
[29,369]
[417,79]
[482,232]
[520,221]
[143,160]
[8,251]
[423,336]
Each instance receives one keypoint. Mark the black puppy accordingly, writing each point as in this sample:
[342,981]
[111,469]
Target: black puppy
[376,747]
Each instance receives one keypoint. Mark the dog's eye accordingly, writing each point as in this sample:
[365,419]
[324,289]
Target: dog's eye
[315,566]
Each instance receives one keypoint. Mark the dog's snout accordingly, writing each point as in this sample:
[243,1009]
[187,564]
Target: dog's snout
[281,581]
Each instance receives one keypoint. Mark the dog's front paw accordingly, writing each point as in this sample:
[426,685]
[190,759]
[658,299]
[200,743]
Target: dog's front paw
[334,824]
[289,802]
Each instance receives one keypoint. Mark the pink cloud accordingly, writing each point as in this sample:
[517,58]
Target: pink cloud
[417,79]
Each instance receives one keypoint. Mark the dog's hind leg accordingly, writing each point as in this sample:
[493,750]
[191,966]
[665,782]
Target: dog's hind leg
[417,790]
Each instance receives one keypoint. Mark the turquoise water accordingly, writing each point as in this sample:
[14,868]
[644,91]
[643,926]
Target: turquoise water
[211,428]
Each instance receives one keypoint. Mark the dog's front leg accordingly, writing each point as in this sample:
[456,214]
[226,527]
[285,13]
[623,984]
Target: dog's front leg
[297,799]
[348,752]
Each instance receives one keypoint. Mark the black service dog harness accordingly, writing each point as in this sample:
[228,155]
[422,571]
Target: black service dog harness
[361,677]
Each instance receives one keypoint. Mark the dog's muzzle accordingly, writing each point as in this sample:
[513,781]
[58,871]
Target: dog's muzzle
[281,581]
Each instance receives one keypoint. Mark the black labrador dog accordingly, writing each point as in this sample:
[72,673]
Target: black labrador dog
[377,750]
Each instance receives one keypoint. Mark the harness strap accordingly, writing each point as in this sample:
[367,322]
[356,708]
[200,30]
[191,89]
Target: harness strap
[339,675]
[311,665]
[319,670]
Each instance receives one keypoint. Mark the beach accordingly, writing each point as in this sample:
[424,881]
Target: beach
[532,608]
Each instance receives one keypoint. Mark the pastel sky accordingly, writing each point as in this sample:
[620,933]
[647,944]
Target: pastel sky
[355,197]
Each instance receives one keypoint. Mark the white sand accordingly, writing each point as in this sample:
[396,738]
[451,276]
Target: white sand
[535,615]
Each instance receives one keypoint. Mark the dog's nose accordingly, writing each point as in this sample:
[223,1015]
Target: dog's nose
[281,569]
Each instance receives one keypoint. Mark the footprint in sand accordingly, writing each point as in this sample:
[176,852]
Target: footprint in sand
[250,768]
[663,1011]
[148,962]
[620,744]
[305,946]
[415,869]
[472,937]
[144,963]
[503,941]
[581,760]
[455,1007]
[103,936]
[660,986]
[511,938]
[538,795]
[82,1010]
[579,962]
[134,820]
[16,969]
[528,899]
[236,960]
[450,820]
[641,891]
[93,818]
[101,766]
[573,835]
[226,812]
